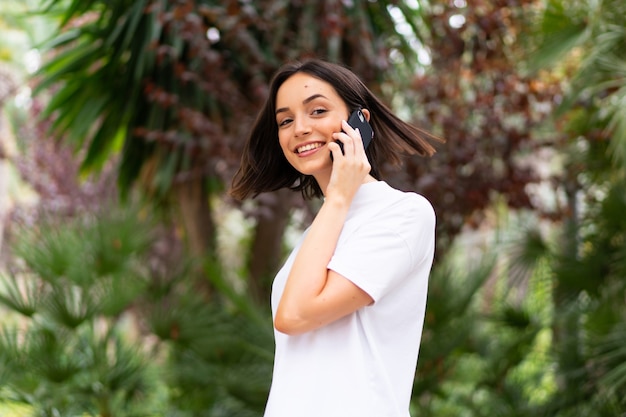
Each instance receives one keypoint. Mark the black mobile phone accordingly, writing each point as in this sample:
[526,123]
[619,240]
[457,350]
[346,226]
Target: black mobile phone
[358,121]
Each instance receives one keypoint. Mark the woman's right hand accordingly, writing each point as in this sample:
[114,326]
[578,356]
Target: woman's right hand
[350,168]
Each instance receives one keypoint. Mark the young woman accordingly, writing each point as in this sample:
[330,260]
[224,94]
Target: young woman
[348,305]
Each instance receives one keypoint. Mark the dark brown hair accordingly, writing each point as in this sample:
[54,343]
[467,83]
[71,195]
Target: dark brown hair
[263,164]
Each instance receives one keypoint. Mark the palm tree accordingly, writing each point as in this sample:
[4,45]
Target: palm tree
[589,264]
[68,353]
[172,87]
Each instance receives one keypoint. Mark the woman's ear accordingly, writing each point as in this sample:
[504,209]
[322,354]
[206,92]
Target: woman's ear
[366,113]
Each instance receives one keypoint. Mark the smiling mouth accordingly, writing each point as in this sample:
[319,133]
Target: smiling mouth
[309,147]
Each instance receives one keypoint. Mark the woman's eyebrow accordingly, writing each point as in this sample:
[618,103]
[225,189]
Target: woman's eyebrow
[305,101]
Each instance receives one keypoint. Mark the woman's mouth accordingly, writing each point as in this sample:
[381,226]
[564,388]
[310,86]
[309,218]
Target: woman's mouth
[309,147]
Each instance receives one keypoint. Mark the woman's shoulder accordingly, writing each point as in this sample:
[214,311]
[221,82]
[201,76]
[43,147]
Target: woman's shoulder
[409,202]
[392,210]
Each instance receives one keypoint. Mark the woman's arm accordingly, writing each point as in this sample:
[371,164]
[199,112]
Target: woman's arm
[314,295]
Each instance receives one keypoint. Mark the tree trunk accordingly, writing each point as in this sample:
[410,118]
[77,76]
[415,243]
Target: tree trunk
[266,251]
[197,219]
[567,316]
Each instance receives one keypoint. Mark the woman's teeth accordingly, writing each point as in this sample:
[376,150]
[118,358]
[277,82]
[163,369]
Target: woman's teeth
[309,147]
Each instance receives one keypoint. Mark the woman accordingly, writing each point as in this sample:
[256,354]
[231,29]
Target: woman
[348,305]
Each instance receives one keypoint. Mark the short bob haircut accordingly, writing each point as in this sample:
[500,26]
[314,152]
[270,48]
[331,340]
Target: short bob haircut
[264,166]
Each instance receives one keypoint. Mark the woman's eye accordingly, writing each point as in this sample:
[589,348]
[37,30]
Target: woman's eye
[284,122]
[319,111]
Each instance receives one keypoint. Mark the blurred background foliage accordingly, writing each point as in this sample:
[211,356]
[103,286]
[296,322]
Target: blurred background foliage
[132,285]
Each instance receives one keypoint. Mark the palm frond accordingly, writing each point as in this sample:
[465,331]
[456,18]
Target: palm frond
[11,355]
[70,306]
[609,356]
[22,295]
[617,125]
[563,26]
[50,252]
[43,344]
[525,248]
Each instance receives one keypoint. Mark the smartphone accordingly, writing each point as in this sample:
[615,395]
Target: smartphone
[358,121]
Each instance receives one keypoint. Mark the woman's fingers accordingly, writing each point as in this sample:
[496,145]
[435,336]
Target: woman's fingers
[354,136]
[335,150]
[351,139]
[354,163]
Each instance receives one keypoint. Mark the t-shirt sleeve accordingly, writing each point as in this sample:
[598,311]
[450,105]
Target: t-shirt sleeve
[380,254]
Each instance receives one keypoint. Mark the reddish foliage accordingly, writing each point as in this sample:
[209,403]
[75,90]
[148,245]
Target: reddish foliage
[51,169]
[476,98]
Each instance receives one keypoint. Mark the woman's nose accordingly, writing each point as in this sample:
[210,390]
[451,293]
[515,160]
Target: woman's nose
[302,126]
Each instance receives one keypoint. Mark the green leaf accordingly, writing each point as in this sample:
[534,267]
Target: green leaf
[86,119]
[561,29]
[104,139]
[136,14]
[70,305]
[610,352]
[164,177]
[49,252]
[21,295]
[76,60]
[617,126]
[50,355]
[64,38]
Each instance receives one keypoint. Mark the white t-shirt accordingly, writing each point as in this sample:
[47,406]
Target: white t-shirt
[363,365]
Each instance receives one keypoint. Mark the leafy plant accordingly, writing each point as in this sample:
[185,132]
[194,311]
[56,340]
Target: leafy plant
[72,352]
[589,263]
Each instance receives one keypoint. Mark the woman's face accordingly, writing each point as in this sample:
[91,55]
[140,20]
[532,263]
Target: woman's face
[308,112]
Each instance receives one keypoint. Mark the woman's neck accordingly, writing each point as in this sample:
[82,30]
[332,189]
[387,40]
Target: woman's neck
[323,181]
